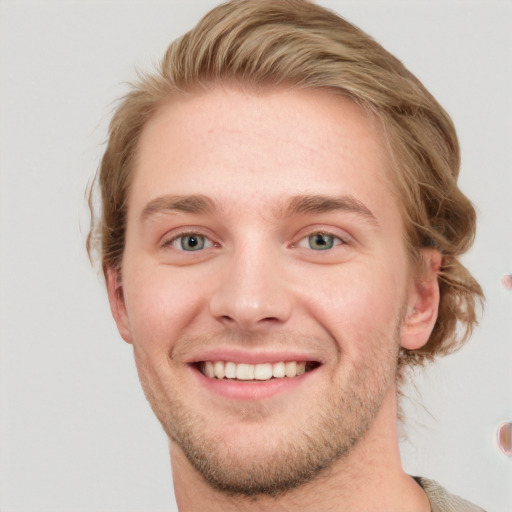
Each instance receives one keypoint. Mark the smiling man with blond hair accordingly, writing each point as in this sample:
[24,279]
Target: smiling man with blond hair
[280,233]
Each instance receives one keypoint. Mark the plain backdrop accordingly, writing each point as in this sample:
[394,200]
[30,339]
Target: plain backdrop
[76,434]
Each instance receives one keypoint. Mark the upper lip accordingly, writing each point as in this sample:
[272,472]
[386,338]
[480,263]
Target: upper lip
[252,357]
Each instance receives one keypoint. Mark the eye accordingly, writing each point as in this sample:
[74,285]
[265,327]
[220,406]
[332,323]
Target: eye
[320,241]
[190,242]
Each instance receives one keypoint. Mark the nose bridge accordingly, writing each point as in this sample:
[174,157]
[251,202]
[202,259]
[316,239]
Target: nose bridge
[252,291]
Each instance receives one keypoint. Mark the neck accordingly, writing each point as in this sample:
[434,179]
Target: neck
[369,478]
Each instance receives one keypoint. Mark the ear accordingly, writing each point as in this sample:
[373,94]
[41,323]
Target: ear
[422,303]
[117,303]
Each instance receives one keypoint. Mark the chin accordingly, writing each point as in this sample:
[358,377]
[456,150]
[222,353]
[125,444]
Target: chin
[257,450]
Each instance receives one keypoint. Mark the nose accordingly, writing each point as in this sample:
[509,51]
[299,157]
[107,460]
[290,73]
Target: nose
[252,292]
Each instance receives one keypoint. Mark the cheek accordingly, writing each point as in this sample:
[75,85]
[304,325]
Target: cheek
[161,304]
[359,305]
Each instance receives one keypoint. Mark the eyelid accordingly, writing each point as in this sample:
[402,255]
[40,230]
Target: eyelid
[305,241]
[177,242]
[337,233]
[169,238]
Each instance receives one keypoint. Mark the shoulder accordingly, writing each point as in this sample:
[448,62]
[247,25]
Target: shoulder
[442,501]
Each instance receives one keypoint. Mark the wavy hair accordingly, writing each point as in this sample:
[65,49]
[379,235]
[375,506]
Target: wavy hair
[298,43]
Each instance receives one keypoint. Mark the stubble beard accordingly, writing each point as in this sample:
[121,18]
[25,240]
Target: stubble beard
[296,458]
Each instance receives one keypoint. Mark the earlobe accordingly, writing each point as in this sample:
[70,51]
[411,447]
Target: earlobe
[422,303]
[117,303]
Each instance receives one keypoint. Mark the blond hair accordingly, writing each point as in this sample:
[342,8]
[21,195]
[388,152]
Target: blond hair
[295,42]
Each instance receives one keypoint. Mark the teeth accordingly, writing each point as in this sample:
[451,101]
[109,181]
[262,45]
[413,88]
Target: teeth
[244,371]
[218,369]
[290,368]
[230,370]
[209,369]
[278,370]
[263,371]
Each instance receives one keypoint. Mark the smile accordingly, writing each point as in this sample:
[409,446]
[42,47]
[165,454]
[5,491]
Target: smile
[251,372]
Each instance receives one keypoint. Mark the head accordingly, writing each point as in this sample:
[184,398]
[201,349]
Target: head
[294,45]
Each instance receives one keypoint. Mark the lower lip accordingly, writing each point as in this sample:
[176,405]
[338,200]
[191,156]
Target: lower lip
[251,389]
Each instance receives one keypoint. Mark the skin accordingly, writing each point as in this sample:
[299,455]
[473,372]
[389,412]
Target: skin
[260,289]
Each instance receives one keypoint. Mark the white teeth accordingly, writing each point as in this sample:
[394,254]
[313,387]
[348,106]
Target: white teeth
[209,369]
[230,370]
[290,368]
[278,370]
[244,371]
[263,371]
[218,369]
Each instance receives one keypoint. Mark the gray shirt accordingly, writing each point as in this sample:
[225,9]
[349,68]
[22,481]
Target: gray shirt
[442,501]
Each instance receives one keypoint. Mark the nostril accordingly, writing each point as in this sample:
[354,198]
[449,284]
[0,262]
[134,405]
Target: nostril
[249,301]
[248,322]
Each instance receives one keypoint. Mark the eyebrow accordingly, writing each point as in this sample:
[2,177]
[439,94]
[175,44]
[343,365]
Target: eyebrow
[298,205]
[312,204]
[187,204]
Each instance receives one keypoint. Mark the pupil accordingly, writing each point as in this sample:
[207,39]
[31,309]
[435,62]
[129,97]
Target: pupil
[320,241]
[192,242]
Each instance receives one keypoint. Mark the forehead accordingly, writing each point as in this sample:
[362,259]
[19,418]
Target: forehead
[236,145]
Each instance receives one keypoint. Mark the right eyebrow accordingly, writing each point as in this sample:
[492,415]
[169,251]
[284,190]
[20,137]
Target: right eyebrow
[314,204]
[174,203]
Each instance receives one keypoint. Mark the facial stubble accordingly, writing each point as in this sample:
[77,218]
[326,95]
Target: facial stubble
[286,459]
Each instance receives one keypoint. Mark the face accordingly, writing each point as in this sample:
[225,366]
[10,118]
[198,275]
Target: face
[264,282]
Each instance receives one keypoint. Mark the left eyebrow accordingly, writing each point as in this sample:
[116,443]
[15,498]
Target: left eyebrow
[313,204]
[198,204]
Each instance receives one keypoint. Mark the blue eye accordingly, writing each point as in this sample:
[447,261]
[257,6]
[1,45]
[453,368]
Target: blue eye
[320,241]
[190,242]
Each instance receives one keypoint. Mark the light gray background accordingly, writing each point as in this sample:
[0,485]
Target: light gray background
[75,431]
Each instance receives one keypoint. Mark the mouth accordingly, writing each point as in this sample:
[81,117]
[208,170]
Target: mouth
[255,372]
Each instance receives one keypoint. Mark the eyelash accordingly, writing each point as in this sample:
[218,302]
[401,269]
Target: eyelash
[208,243]
[336,240]
[181,236]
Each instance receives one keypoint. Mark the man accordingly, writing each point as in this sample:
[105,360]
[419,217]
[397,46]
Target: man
[280,233]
